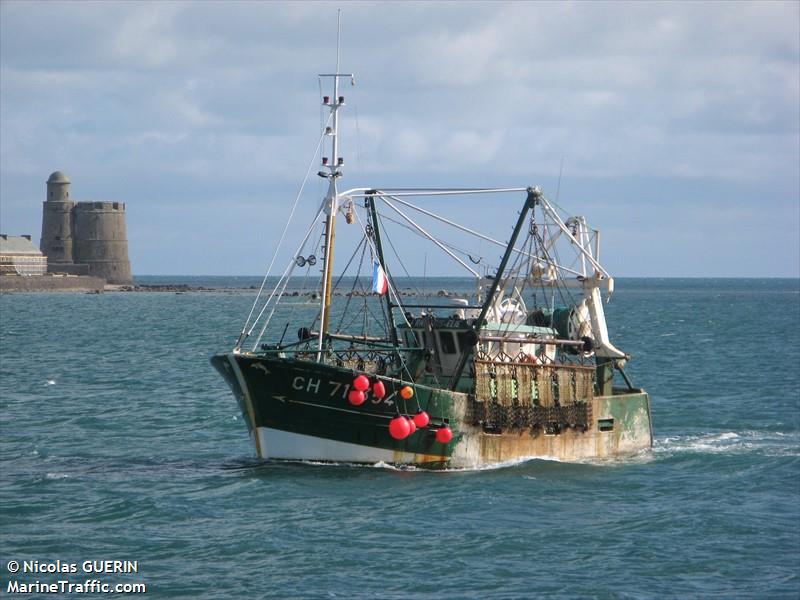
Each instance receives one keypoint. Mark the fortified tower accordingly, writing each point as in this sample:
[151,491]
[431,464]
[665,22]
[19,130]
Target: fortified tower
[56,242]
[84,238]
[100,240]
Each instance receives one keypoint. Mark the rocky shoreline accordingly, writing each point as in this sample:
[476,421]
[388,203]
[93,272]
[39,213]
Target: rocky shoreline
[182,288]
[95,285]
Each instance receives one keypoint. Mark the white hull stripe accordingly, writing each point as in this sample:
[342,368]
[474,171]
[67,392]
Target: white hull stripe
[297,446]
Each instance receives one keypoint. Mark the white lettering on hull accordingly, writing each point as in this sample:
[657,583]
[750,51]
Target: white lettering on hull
[312,385]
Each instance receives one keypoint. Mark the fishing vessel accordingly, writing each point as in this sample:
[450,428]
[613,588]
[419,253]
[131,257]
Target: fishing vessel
[520,367]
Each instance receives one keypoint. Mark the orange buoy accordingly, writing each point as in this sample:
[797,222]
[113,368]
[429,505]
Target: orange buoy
[444,435]
[407,392]
[399,428]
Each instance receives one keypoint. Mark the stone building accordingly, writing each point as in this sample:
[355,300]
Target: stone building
[18,256]
[84,238]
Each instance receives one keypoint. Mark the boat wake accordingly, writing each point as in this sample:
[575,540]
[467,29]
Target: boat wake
[765,443]
[509,464]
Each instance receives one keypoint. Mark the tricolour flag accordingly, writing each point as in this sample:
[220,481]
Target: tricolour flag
[380,284]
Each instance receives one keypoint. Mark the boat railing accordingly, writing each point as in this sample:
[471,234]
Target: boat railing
[563,359]
[366,357]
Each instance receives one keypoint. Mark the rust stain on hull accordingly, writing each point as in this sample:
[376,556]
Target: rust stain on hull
[620,427]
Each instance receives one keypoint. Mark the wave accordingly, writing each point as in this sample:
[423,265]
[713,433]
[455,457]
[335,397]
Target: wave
[766,443]
[381,465]
[506,464]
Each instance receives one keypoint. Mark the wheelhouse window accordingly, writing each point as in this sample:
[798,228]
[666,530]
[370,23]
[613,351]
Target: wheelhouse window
[448,342]
[420,337]
[462,340]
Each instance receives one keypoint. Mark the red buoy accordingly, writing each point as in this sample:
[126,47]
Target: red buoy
[361,383]
[378,390]
[407,392]
[412,427]
[421,419]
[399,428]
[444,435]
[356,397]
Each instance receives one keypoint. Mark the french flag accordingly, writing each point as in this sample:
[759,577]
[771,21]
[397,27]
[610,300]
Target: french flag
[380,284]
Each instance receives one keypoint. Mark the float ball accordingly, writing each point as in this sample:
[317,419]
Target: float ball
[356,397]
[378,389]
[407,392]
[361,383]
[444,435]
[421,419]
[412,427]
[398,428]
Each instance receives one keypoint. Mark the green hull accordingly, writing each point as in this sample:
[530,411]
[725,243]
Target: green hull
[297,409]
[310,399]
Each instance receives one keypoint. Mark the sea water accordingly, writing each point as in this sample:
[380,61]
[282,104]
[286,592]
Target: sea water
[120,442]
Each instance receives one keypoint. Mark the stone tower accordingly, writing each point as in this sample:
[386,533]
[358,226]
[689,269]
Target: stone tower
[56,242]
[84,238]
[100,240]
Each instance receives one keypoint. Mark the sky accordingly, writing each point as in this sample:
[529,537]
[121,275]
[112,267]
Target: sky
[673,127]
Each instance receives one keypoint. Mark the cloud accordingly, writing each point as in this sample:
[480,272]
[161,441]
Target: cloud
[197,101]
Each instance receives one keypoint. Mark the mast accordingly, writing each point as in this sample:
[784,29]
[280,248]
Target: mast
[331,198]
[370,202]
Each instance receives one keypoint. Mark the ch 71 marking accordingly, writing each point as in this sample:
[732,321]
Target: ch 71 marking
[336,388]
[301,384]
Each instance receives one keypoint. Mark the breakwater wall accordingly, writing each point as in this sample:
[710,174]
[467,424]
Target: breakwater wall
[50,283]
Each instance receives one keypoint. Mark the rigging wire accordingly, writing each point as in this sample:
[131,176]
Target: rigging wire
[429,236]
[560,172]
[365,310]
[453,223]
[419,235]
[283,235]
[305,279]
[285,278]
[386,311]
[397,256]
[355,281]
[391,290]
[402,362]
